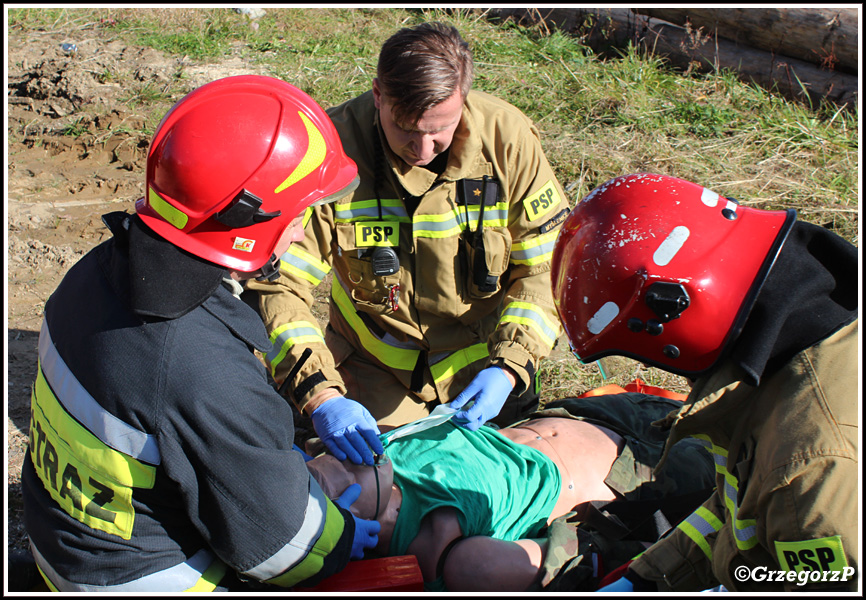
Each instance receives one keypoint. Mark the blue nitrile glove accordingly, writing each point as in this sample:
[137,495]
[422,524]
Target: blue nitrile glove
[307,457]
[348,430]
[489,389]
[366,532]
[620,585]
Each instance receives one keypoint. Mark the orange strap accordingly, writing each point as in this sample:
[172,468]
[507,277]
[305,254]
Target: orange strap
[635,386]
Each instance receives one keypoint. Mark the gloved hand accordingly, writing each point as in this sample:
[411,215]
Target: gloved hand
[348,430]
[620,585]
[489,389]
[366,532]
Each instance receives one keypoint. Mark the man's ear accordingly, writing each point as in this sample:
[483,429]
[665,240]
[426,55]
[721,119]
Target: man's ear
[377,93]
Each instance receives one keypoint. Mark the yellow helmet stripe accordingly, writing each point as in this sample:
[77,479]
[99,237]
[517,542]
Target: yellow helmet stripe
[315,156]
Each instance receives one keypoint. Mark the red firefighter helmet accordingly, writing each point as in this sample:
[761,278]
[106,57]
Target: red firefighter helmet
[661,270]
[234,162]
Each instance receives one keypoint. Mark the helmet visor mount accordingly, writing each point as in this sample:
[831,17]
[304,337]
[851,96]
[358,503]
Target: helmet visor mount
[244,210]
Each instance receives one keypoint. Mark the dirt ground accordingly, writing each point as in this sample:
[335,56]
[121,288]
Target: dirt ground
[75,152]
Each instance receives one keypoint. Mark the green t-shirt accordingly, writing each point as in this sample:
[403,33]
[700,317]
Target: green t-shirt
[501,489]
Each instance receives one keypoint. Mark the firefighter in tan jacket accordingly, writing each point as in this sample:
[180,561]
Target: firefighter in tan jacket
[759,310]
[440,259]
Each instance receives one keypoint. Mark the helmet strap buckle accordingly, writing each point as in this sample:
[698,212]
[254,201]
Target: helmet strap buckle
[270,270]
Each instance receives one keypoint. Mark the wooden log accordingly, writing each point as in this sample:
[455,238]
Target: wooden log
[826,37]
[604,29]
[790,77]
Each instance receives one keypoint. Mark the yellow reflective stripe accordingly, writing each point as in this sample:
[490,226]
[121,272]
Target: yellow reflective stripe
[47,581]
[124,469]
[165,210]
[495,215]
[315,559]
[291,334]
[708,516]
[449,366]
[435,226]
[308,214]
[532,316]
[211,578]
[698,526]
[534,251]
[392,210]
[78,402]
[201,572]
[454,222]
[697,538]
[745,530]
[396,358]
[313,157]
[304,265]
[91,481]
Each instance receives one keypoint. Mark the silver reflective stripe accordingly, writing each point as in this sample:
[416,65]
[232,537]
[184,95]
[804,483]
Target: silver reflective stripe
[448,225]
[526,313]
[81,405]
[703,526]
[455,222]
[314,273]
[526,252]
[496,215]
[297,549]
[395,343]
[745,530]
[291,336]
[369,209]
[174,579]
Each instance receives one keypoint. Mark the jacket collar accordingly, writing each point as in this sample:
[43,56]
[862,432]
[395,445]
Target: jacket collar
[240,319]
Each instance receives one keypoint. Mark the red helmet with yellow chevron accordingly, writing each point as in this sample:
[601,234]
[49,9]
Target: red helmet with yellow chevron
[234,162]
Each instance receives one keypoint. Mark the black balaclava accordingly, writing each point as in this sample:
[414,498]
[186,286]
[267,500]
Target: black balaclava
[166,281]
[810,292]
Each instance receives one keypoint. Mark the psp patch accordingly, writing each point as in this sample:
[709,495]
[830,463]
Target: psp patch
[377,233]
[822,554]
[542,202]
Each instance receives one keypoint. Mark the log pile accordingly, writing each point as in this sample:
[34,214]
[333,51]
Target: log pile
[801,53]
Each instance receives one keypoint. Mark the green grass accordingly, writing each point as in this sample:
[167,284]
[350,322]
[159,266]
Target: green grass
[598,118]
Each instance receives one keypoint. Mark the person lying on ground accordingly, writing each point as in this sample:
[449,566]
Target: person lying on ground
[475,507]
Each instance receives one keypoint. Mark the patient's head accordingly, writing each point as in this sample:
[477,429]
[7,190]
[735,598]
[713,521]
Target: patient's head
[334,476]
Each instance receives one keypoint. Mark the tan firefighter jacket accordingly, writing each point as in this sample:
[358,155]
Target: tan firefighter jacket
[431,313]
[786,474]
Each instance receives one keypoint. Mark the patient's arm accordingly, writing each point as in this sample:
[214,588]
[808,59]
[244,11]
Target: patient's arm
[485,564]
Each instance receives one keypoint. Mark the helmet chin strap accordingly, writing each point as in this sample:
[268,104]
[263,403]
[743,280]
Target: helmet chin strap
[270,270]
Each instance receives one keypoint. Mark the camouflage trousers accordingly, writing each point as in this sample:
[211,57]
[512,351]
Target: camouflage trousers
[580,550]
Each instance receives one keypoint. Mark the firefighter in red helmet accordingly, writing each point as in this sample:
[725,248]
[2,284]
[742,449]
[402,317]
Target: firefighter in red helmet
[160,457]
[759,311]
